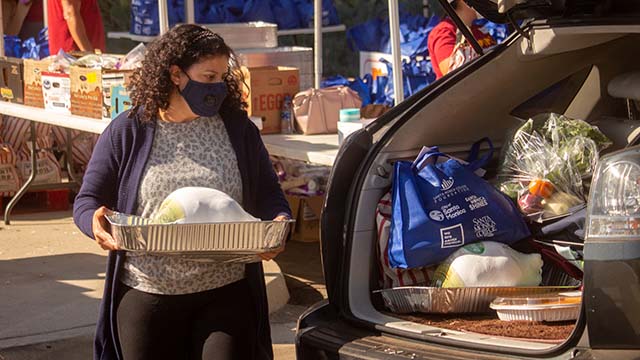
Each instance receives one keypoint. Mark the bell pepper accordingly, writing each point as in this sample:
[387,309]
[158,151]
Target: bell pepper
[541,187]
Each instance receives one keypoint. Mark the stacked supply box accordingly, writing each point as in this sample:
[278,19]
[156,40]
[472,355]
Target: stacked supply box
[56,92]
[91,90]
[11,81]
[268,87]
[33,69]
[120,100]
[291,56]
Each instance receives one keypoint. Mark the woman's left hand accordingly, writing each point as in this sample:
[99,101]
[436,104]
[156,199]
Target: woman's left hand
[272,254]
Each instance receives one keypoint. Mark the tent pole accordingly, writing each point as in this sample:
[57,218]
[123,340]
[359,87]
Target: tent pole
[163,14]
[2,32]
[190,12]
[317,42]
[394,31]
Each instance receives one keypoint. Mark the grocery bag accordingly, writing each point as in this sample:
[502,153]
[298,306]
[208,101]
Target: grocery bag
[438,207]
[395,277]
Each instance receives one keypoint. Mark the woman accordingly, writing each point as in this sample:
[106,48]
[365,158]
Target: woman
[187,128]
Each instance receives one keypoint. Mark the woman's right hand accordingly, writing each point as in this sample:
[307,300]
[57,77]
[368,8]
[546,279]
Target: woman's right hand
[100,227]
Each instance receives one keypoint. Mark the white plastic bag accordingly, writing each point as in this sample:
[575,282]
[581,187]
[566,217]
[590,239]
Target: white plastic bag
[199,205]
[487,264]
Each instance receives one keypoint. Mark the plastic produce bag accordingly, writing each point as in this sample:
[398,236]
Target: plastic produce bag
[199,205]
[61,62]
[487,264]
[438,208]
[133,59]
[96,61]
[545,163]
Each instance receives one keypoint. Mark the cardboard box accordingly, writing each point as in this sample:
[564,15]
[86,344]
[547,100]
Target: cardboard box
[33,70]
[87,90]
[56,92]
[268,87]
[11,83]
[109,82]
[306,210]
[120,100]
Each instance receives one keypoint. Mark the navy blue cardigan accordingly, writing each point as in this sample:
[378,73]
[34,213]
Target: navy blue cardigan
[113,177]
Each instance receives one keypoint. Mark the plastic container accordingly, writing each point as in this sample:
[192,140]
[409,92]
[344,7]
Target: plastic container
[350,115]
[550,307]
[286,116]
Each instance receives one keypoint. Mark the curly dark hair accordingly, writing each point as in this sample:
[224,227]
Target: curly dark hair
[183,46]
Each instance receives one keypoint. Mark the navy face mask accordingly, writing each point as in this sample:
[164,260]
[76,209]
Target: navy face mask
[204,99]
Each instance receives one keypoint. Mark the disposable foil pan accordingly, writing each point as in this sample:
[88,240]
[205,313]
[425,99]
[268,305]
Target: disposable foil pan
[410,299]
[134,233]
[293,56]
[255,34]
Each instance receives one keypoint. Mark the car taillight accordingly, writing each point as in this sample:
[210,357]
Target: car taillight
[614,200]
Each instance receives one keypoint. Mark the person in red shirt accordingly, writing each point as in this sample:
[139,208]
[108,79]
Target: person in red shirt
[75,25]
[443,38]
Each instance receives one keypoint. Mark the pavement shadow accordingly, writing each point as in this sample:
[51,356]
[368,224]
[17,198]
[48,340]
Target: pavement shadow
[48,294]
[19,215]
[301,266]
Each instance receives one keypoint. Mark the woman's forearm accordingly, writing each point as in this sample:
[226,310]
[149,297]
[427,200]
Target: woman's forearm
[72,16]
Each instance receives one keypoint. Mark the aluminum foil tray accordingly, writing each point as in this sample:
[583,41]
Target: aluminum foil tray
[257,34]
[134,233]
[293,56]
[410,299]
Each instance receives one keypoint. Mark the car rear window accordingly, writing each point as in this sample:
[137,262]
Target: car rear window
[555,98]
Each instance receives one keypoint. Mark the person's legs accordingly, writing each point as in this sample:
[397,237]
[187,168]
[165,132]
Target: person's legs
[150,326]
[225,327]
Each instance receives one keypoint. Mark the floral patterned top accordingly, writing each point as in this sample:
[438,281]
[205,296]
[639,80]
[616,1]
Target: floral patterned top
[194,153]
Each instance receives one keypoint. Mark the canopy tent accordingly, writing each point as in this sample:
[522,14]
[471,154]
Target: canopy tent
[394,25]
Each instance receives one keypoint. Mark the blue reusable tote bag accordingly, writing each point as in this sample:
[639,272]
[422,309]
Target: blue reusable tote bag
[439,207]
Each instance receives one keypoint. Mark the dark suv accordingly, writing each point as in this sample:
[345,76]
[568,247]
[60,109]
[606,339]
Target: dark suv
[580,58]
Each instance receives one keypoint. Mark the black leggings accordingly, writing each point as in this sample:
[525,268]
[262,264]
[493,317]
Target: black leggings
[214,324]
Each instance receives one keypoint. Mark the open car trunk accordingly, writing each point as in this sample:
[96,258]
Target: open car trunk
[564,70]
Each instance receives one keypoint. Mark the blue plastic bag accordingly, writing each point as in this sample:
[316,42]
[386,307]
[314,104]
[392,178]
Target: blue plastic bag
[306,13]
[250,10]
[288,17]
[144,16]
[12,46]
[365,36]
[440,207]
[416,75]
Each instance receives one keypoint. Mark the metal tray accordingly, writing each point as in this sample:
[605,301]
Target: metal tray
[410,299]
[134,233]
[293,56]
[256,34]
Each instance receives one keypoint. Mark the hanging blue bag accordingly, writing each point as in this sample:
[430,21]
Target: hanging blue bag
[439,207]
[288,17]
[249,10]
